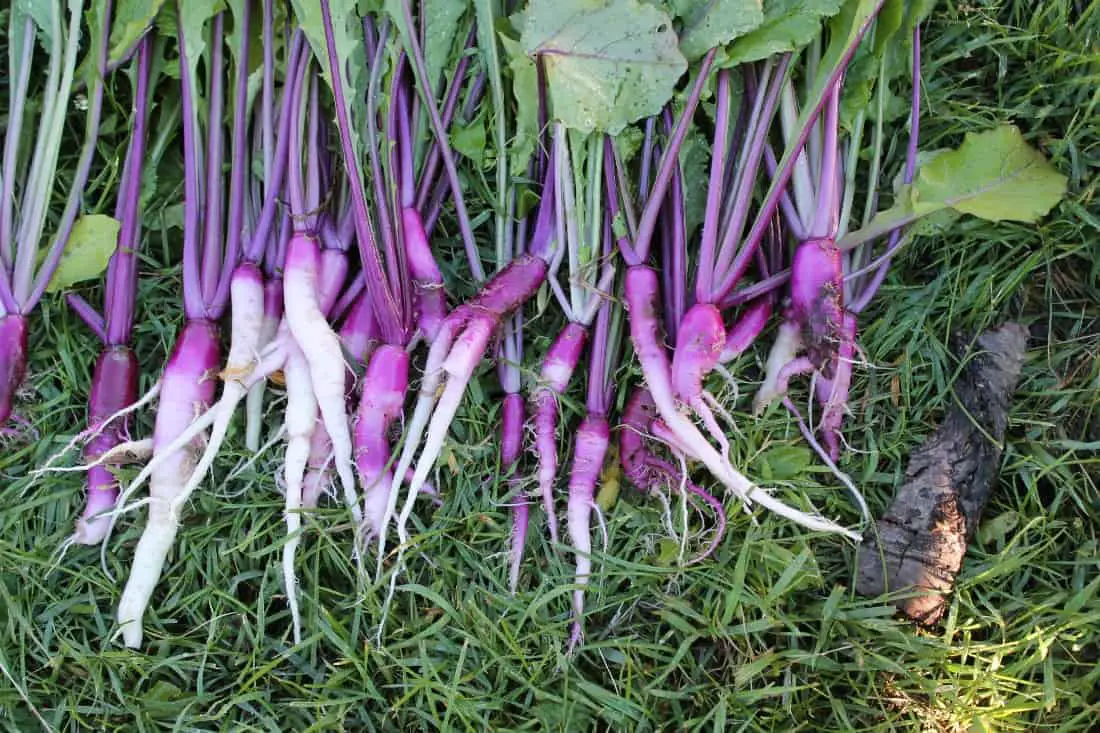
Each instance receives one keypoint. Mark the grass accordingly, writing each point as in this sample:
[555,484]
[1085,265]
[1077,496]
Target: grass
[767,636]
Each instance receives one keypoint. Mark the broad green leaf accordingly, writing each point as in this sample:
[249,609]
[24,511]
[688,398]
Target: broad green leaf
[89,249]
[994,175]
[441,25]
[998,528]
[706,24]
[131,19]
[608,62]
[788,25]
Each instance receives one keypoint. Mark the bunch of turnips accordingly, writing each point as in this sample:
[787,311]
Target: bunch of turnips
[666,183]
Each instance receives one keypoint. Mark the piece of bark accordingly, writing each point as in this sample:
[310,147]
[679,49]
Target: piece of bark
[919,543]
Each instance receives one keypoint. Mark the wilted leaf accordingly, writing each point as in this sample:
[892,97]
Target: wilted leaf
[89,249]
[608,62]
[993,175]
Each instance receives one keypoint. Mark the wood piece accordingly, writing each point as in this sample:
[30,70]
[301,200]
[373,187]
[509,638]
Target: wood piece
[919,543]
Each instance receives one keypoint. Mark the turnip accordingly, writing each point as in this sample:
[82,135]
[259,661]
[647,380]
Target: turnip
[115,379]
[593,436]
[188,382]
[579,228]
[27,176]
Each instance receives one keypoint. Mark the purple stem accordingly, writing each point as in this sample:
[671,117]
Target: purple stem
[88,314]
[397,109]
[750,292]
[295,183]
[828,195]
[450,104]
[238,152]
[406,177]
[16,106]
[382,179]
[779,182]
[440,131]
[435,207]
[669,161]
[267,98]
[348,297]
[275,172]
[601,388]
[790,215]
[675,249]
[385,306]
[748,166]
[212,243]
[121,286]
[192,194]
[314,154]
[649,145]
[719,154]
[612,176]
[868,292]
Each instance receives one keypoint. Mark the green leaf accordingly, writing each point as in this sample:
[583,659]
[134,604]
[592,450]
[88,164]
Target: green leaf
[706,24]
[788,25]
[608,79]
[889,21]
[525,89]
[131,19]
[348,37]
[441,25]
[695,164]
[193,16]
[994,175]
[784,462]
[668,552]
[998,528]
[43,13]
[469,140]
[90,246]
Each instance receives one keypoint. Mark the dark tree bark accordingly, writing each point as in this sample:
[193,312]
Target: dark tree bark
[919,543]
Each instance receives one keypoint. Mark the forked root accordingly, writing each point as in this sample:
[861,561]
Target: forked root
[92,431]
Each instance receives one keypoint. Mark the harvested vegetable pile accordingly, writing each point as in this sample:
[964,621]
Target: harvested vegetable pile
[566,243]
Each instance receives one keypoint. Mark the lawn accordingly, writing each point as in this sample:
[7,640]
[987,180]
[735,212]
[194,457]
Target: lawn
[767,635]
